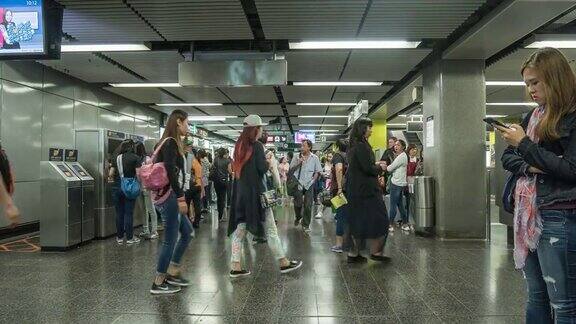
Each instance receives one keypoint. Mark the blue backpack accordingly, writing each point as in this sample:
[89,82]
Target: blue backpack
[129,186]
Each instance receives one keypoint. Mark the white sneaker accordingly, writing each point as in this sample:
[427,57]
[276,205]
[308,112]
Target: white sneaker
[120,241]
[391,229]
[134,240]
[154,236]
[406,227]
[319,215]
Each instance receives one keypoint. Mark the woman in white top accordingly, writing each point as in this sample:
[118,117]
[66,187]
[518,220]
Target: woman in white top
[398,185]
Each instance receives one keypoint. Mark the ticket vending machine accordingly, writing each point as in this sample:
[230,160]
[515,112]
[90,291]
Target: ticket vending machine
[88,200]
[61,200]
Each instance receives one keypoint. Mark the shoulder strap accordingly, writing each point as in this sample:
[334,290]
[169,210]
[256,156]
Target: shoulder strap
[119,165]
[153,158]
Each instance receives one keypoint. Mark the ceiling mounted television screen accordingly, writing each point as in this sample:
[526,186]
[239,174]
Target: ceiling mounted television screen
[30,29]
[300,136]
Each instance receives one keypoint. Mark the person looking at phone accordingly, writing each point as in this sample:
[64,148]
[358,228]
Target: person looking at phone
[542,154]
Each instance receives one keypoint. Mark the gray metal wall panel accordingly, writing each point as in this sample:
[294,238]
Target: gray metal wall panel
[154,130]
[86,95]
[27,198]
[21,129]
[141,113]
[108,120]
[107,100]
[24,73]
[140,127]
[126,124]
[57,83]
[125,107]
[58,123]
[85,116]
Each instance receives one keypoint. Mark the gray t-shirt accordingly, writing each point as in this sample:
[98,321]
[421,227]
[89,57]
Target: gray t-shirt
[309,167]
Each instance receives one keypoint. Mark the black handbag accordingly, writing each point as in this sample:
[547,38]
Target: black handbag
[508,193]
[292,183]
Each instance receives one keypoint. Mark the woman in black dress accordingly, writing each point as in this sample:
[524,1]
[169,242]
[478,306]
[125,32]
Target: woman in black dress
[368,218]
[246,213]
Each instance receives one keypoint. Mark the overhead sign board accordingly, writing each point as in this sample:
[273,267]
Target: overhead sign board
[361,109]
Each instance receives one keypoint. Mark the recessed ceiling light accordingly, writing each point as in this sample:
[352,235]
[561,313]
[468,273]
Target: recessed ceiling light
[68,48]
[527,104]
[189,104]
[326,116]
[338,84]
[321,125]
[209,118]
[145,85]
[352,44]
[325,104]
[506,83]
[553,43]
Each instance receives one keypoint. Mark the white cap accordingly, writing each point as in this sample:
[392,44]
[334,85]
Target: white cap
[253,121]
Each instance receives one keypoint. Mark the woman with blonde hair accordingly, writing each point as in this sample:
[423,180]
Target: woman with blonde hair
[542,158]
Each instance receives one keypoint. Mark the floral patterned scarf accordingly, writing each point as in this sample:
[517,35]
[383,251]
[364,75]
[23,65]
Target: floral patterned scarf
[527,221]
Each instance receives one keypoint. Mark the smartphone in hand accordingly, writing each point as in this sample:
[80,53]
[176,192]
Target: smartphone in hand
[493,122]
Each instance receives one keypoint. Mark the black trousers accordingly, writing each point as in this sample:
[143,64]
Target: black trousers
[193,197]
[221,192]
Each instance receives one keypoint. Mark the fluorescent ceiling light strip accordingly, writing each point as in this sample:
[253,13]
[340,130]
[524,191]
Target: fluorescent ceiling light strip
[506,83]
[68,48]
[319,116]
[553,43]
[321,125]
[496,116]
[223,125]
[396,125]
[209,118]
[145,85]
[330,134]
[325,104]
[338,84]
[352,44]
[406,116]
[527,104]
[189,105]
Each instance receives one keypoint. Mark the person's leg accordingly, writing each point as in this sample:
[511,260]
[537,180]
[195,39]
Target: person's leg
[169,212]
[237,242]
[197,208]
[272,236]
[538,309]
[339,230]
[220,199]
[557,256]
[402,206]
[298,204]
[147,215]
[307,210]
[129,217]
[394,201]
[118,198]
[185,229]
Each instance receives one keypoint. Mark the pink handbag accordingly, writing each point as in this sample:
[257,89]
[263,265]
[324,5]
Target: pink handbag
[153,176]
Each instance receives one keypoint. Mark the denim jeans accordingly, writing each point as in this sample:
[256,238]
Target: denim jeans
[221,189]
[150,218]
[396,193]
[173,251]
[124,214]
[273,240]
[550,271]
[340,217]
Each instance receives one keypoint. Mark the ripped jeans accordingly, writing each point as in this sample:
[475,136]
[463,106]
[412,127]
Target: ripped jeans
[239,236]
[550,271]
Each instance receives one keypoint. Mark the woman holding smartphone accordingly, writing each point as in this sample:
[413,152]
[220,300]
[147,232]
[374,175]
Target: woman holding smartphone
[542,154]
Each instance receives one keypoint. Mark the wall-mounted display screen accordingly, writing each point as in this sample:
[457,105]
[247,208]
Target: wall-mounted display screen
[300,136]
[21,27]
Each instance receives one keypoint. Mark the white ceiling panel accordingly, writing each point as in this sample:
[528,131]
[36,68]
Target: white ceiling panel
[222,111]
[305,19]
[263,110]
[195,19]
[508,68]
[199,95]
[506,94]
[315,66]
[416,19]
[251,94]
[378,65]
[160,66]
[509,111]
[104,21]
[307,94]
[89,68]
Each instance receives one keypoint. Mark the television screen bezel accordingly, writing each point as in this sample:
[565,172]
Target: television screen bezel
[50,9]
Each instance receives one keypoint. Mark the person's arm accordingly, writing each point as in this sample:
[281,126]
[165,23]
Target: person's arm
[260,159]
[294,164]
[5,35]
[339,167]
[512,160]
[170,156]
[12,212]
[398,162]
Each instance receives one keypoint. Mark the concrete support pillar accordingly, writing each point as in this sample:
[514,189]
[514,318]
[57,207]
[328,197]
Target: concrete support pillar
[454,147]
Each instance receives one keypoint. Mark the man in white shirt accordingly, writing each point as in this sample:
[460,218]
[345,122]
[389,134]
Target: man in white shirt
[398,185]
[306,168]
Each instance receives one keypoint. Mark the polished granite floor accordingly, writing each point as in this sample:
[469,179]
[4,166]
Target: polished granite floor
[428,281]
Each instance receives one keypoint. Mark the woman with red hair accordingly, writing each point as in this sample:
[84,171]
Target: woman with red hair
[247,213]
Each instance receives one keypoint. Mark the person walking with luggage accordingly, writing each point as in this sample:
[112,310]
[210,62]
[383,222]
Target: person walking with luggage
[368,221]
[306,167]
[247,215]
[541,157]
[171,202]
